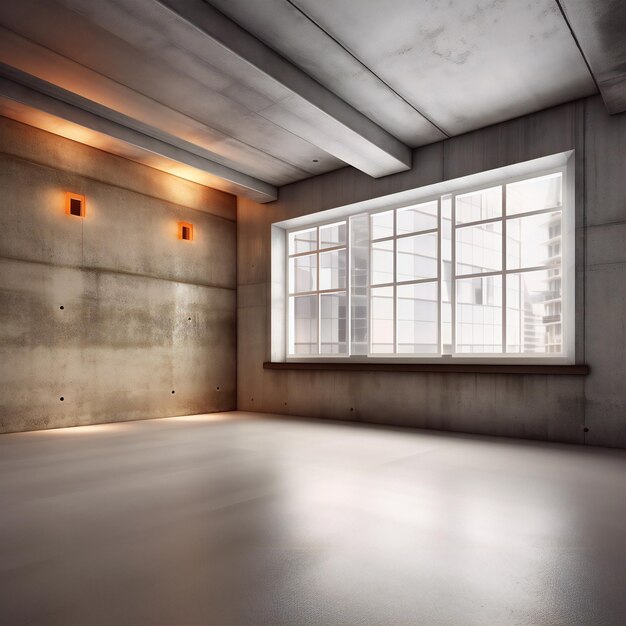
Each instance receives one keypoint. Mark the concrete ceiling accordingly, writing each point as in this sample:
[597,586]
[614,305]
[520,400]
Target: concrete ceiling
[600,30]
[247,96]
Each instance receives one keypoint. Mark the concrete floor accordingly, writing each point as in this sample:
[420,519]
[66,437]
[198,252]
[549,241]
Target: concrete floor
[242,518]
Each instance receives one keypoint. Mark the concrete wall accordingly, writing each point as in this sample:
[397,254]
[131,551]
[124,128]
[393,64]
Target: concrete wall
[144,314]
[556,408]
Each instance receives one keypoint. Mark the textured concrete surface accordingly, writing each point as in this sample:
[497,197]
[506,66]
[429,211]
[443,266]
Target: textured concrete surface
[112,313]
[439,57]
[74,158]
[599,27]
[279,90]
[552,408]
[246,519]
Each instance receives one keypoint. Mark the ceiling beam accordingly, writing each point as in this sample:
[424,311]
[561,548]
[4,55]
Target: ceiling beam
[298,103]
[38,94]
[599,28]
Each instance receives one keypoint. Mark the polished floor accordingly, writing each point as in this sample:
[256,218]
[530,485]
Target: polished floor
[240,518]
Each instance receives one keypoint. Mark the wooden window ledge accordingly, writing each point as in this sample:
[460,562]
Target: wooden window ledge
[441,368]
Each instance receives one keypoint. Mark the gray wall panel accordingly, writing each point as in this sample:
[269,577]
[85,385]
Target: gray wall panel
[144,314]
[555,408]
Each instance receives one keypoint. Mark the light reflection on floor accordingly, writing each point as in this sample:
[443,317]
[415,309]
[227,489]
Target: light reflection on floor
[241,518]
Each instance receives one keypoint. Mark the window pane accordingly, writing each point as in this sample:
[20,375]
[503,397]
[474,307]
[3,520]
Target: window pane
[303,273]
[544,192]
[303,241]
[415,218]
[533,240]
[382,262]
[359,283]
[417,257]
[333,323]
[333,235]
[479,314]
[479,205]
[303,324]
[416,311]
[533,311]
[333,270]
[479,248]
[381,308]
[382,225]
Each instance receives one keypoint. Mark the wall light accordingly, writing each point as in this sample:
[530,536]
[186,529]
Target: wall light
[75,204]
[185,231]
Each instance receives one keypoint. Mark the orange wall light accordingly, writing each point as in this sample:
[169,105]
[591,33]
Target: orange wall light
[185,231]
[75,204]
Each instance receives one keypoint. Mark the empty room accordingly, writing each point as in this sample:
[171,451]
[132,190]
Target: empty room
[312,312]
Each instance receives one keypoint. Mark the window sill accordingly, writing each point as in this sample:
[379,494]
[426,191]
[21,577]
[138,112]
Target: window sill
[441,368]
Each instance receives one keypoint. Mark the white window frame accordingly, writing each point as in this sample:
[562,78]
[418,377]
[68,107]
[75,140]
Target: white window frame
[413,356]
[560,357]
[567,209]
[319,292]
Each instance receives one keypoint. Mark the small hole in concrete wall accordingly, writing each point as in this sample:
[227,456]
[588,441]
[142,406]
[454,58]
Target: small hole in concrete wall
[173,391]
[218,388]
[285,404]
[189,319]
[586,430]
[61,307]
[61,398]
[251,399]
[352,408]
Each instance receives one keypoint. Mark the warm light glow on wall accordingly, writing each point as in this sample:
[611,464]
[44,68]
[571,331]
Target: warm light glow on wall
[75,204]
[185,231]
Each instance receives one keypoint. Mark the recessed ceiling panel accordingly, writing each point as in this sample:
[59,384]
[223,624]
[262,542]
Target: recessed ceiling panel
[464,63]
[287,29]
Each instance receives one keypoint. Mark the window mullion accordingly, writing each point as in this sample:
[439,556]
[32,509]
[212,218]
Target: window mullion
[453,273]
[319,297]
[348,290]
[439,272]
[503,279]
[395,280]
[288,318]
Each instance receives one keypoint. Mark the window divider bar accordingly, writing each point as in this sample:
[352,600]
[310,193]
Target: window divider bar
[395,280]
[295,255]
[453,271]
[402,283]
[514,216]
[416,233]
[504,261]
[439,266]
[319,299]
[534,268]
[505,217]
[348,352]
[491,220]
[314,293]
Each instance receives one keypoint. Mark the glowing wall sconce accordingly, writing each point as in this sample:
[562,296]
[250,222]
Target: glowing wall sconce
[185,231]
[75,204]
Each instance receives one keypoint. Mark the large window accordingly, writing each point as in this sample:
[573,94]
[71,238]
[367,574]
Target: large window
[475,273]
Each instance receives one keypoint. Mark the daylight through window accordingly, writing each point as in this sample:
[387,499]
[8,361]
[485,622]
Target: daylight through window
[473,273]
